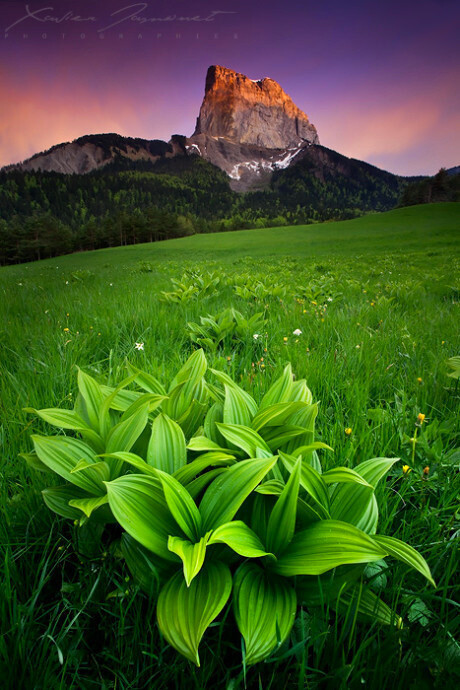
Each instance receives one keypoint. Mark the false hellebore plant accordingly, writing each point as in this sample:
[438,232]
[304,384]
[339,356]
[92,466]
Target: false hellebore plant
[247,513]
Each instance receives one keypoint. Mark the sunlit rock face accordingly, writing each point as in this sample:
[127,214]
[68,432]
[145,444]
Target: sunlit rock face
[245,111]
[249,128]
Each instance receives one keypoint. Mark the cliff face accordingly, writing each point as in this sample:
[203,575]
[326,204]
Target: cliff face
[245,111]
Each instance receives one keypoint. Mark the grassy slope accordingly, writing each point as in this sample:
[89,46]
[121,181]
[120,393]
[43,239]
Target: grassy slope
[394,281]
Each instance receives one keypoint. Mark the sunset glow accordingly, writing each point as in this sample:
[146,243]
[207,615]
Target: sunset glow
[378,80]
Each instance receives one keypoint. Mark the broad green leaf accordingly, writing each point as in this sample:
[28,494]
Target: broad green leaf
[87,505]
[122,399]
[316,445]
[93,398]
[133,460]
[153,401]
[369,606]
[343,475]
[192,418]
[214,414]
[265,608]
[317,590]
[405,553]
[228,492]
[182,405]
[181,505]
[273,487]
[276,415]
[325,545]
[281,524]
[64,419]
[124,434]
[373,470]
[276,437]
[306,514]
[34,463]
[280,391]
[57,499]
[188,473]
[355,504]
[99,472]
[454,364]
[184,613]
[166,450]
[260,514]
[138,503]
[146,568]
[226,380]
[105,416]
[236,410]
[146,381]
[243,437]
[311,481]
[239,537]
[191,554]
[61,454]
[190,374]
[202,444]
[306,419]
[198,485]
[301,392]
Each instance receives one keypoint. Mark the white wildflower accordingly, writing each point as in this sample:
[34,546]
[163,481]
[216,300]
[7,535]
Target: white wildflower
[139,346]
[256,336]
[329,299]
[297,332]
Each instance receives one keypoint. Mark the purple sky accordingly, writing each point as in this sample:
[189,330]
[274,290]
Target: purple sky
[380,80]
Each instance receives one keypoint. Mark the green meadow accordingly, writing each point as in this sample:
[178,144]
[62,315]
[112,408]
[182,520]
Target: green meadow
[376,301]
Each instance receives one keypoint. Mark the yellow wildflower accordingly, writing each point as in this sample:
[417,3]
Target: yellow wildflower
[66,330]
[406,469]
[426,471]
[419,379]
[348,430]
[285,339]
[420,417]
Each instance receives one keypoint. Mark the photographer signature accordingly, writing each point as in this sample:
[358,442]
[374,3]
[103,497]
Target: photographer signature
[130,13]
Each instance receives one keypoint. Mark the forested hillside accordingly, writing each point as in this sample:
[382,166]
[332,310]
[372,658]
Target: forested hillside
[46,214]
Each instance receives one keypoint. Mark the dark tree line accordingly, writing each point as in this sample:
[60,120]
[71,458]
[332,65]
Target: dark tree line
[441,187]
[45,214]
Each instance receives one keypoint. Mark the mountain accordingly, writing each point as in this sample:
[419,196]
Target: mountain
[95,151]
[247,128]
[104,189]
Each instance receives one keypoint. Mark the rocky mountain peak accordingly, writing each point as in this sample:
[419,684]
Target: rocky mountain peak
[247,111]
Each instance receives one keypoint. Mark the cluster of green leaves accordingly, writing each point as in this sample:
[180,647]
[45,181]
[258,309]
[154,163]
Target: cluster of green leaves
[192,284]
[228,327]
[107,421]
[319,290]
[255,288]
[220,499]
